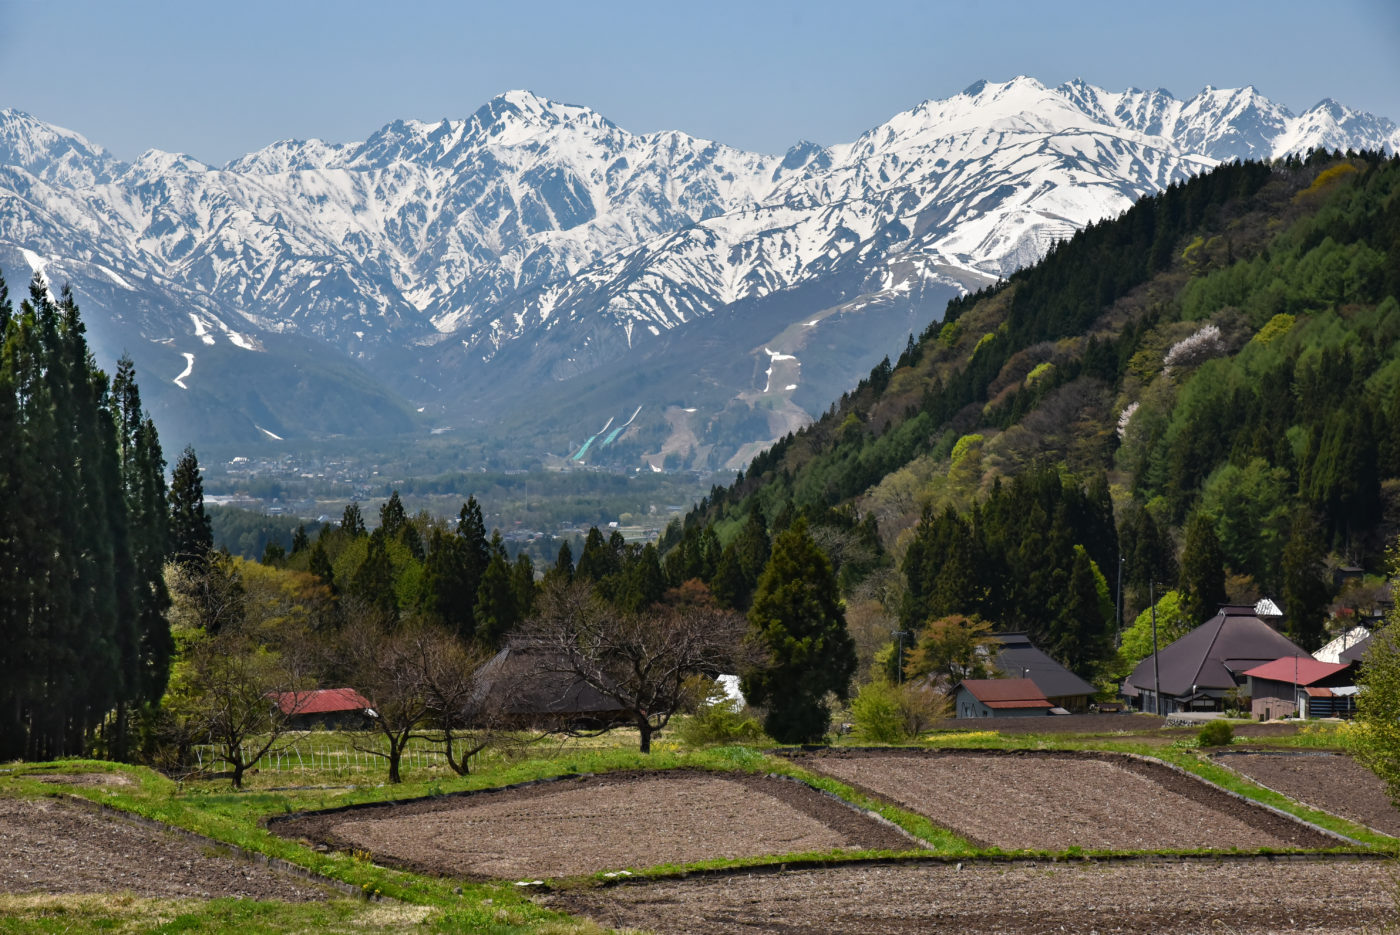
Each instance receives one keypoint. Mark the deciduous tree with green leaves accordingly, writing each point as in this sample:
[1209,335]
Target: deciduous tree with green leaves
[1376,738]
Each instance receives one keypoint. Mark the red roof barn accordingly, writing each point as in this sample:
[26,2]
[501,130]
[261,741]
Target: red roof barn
[324,707]
[1000,698]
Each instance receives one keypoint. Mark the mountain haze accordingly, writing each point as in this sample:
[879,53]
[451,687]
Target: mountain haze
[537,270]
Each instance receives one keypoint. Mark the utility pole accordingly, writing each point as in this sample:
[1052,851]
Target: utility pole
[1156,675]
[899,653]
[1118,606]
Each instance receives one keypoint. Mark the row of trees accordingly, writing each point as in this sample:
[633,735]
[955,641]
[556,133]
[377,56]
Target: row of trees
[281,630]
[84,535]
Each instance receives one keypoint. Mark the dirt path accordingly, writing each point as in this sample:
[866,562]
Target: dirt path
[62,847]
[1329,782]
[1053,801]
[1182,897]
[607,822]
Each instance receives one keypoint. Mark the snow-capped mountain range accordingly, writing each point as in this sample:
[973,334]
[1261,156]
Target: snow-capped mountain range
[446,267]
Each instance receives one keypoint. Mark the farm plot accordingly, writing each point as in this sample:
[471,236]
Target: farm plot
[57,847]
[595,823]
[1242,897]
[1329,782]
[1036,800]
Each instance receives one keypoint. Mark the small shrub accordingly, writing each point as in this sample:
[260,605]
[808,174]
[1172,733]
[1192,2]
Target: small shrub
[876,713]
[717,720]
[886,713]
[1216,734]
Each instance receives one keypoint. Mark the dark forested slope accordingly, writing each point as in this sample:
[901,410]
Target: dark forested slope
[1207,386]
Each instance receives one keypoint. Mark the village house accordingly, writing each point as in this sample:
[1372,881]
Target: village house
[325,709]
[523,685]
[1017,657]
[1201,669]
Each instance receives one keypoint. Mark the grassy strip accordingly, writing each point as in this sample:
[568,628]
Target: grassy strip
[1193,762]
[49,915]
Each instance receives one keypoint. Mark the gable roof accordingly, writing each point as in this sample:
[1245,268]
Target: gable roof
[1006,693]
[1357,651]
[1297,670]
[322,701]
[1019,658]
[1210,656]
[1332,651]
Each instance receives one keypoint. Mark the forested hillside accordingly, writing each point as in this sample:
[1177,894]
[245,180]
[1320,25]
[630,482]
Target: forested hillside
[1207,386]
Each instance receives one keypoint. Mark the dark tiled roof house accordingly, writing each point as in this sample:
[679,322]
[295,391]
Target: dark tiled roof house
[1018,658]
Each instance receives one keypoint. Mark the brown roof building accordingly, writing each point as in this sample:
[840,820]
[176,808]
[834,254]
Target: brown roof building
[1000,698]
[1198,670]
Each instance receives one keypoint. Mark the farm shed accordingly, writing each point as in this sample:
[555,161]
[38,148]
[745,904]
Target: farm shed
[1019,658]
[325,709]
[1202,667]
[1286,686]
[1000,698]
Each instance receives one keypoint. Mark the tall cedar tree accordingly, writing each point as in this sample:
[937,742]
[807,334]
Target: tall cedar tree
[143,483]
[1202,570]
[799,625]
[191,533]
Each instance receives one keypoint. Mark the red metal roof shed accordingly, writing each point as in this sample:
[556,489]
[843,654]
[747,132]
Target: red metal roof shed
[322,701]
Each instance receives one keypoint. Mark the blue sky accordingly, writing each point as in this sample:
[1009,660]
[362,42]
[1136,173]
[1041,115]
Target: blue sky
[218,80]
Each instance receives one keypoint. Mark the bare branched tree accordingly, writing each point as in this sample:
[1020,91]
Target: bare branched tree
[642,662]
[387,666]
[228,694]
[457,717]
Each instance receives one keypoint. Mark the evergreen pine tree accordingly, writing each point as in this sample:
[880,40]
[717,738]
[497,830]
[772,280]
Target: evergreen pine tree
[798,621]
[320,565]
[392,517]
[352,521]
[496,609]
[191,533]
[373,581]
[1304,587]
[564,562]
[1202,570]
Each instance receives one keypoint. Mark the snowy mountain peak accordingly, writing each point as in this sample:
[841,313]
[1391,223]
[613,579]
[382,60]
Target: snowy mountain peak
[539,236]
[50,152]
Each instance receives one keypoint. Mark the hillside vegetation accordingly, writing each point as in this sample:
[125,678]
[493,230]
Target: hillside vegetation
[1207,386]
